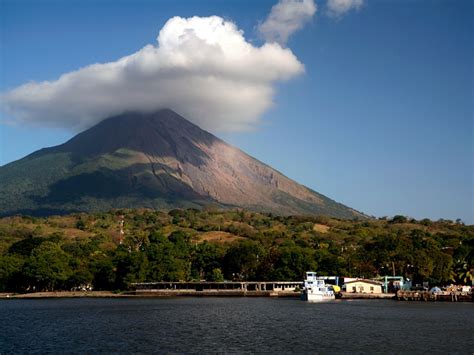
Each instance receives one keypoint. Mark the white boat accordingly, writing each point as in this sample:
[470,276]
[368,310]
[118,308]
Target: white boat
[315,289]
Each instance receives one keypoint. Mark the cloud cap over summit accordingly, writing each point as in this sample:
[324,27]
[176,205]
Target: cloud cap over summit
[202,67]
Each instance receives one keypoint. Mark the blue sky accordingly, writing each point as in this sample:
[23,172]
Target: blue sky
[381,120]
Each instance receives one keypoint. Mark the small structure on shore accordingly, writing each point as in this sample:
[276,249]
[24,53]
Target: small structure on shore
[447,296]
[391,284]
[362,286]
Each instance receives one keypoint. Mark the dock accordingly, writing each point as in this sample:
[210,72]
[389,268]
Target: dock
[219,289]
[427,296]
[237,289]
[366,296]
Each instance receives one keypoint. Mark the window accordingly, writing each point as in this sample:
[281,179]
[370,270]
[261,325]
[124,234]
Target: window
[372,288]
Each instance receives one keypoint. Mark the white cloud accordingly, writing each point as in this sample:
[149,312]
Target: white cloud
[285,18]
[338,8]
[203,68]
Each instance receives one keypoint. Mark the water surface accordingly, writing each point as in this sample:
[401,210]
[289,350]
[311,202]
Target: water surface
[250,325]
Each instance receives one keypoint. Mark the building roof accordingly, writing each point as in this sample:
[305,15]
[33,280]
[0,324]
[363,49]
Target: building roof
[366,281]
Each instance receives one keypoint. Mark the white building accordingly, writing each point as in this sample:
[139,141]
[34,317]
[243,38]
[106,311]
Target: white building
[363,286]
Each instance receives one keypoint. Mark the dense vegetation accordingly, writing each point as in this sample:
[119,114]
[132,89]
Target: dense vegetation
[61,253]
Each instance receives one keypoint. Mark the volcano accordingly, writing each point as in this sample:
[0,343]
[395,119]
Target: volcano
[157,160]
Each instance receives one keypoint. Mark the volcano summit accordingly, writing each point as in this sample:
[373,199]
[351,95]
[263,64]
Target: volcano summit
[158,160]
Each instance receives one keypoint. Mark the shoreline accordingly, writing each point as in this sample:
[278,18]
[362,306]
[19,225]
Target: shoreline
[225,294]
[146,294]
[66,294]
[170,293]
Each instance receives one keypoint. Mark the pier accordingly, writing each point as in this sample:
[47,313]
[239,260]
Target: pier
[365,296]
[230,288]
[237,289]
[276,289]
[434,297]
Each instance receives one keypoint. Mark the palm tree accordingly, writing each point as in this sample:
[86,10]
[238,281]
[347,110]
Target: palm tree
[464,272]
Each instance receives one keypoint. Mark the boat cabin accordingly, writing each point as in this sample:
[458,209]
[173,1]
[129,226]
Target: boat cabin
[312,281]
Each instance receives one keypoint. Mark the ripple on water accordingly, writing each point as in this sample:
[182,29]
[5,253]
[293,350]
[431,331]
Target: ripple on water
[252,325]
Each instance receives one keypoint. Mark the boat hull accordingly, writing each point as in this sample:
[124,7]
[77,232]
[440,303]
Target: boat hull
[317,297]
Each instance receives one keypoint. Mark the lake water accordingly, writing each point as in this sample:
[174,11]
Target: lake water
[242,325]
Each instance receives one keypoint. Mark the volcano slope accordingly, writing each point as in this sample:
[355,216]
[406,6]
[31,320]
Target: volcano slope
[158,160]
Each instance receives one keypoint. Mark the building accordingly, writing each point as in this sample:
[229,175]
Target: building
[391,284]
[363,286]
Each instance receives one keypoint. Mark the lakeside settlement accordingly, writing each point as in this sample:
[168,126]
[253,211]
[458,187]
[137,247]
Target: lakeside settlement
[352,289]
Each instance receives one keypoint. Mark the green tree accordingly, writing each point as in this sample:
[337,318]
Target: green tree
[216,275]
[10,272]
[80,224]
[443,272]
[25,246]
[293,262]
[80,277]
[399,219]
[131,266]
[48,267]
[103,272]
[242,260]
[205,259]
[168,260]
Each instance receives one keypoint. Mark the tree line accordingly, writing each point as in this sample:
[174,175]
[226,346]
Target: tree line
[64,253]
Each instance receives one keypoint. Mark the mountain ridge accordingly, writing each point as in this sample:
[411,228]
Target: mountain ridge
[155,160]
